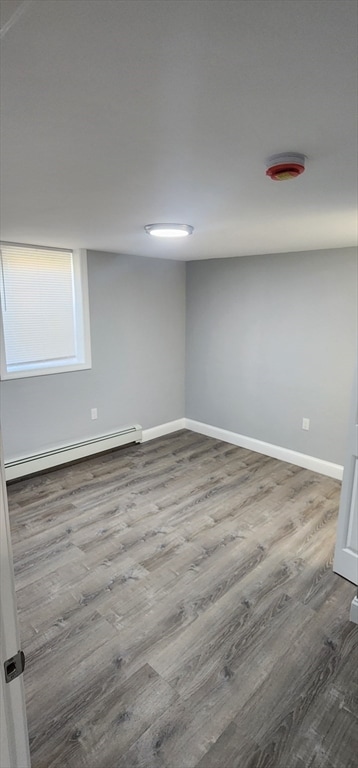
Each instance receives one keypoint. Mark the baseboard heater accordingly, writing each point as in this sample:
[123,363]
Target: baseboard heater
[68,453]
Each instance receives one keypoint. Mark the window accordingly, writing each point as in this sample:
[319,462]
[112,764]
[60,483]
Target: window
[44,311]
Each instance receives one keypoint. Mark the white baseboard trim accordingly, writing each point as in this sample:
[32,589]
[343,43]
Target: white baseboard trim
[55,457]
[268,449]
[162,429]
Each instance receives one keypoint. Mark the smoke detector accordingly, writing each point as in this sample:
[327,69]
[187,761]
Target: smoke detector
[285,166]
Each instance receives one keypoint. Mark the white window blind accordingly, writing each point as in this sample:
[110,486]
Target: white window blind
[42,310]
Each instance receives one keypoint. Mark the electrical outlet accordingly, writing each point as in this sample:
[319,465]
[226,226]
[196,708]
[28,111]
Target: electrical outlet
[94,413]
[305,424]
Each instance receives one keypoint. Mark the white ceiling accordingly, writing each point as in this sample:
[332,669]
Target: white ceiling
[117,114]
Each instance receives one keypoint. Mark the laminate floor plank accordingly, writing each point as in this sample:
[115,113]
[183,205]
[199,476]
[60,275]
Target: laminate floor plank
[120,712]
[73,640]
[280,713]
[184,734]
[40,564]
[178,609]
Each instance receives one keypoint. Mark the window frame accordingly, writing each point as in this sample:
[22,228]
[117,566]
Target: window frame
[82,322]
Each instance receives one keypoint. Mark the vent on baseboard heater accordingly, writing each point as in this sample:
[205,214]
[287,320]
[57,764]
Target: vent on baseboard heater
[67,453]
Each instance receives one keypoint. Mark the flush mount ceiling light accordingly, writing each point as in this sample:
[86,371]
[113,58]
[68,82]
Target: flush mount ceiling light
[285,166]
[169,230]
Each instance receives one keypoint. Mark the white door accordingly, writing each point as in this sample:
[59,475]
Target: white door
[14,743]
[346,552]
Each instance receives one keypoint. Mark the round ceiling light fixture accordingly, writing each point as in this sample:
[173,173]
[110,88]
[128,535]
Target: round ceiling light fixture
[169,230]
[285,166]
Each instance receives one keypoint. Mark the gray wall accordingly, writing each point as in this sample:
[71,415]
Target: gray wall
[271,339]
[137,312]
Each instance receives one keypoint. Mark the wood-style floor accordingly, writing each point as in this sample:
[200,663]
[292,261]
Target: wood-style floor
[178,609]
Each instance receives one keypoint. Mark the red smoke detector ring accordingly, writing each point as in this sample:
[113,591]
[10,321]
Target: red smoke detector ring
[285,166]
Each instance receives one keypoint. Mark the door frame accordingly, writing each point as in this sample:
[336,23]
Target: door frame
[14,745]
[345,561]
